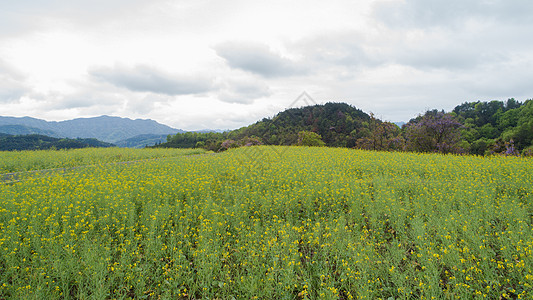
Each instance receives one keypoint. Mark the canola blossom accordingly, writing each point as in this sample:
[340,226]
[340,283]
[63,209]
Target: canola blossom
[272,223]
[20,161]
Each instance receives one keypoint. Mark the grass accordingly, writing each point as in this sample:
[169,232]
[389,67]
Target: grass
[273,223]
[21,161]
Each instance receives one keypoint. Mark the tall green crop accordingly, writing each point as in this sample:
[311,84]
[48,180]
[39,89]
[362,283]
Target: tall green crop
[273,222]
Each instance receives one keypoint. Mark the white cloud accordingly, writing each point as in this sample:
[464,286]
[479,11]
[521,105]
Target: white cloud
[452,13]
[12,83]
[241,88]
[258,59]
[25,16]
[149,79]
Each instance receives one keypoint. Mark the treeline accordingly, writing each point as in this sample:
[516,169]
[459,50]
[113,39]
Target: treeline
[43,142]
[480,128]
[496,126]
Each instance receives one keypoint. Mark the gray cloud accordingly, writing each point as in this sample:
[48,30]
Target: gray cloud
[447,53]
[426,13]
[83,96]
[81,100]
[147,79]
[9,93]
[501,81]
[243,90]
[345,48]
[454,35]
[351,52]
[141,106]
[21,16]
[97,99]
[258,59]
[12,85]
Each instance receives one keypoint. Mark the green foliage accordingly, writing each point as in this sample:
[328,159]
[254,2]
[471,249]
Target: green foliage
[200,144]
[42,142]
[489,125]
[528,151]
[480,146]
[334,122]
[339,125]
[308,138]
[191,140]
[378,135]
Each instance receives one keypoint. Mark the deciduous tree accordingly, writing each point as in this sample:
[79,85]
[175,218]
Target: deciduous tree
[309,138]
[434,132]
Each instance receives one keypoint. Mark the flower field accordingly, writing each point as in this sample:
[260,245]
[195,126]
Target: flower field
[20,161]
[269,223]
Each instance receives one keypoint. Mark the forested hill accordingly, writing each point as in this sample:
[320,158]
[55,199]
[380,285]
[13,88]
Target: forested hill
[339,124]
[41,142]
[482,128]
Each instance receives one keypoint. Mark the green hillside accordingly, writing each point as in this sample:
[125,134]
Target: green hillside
[481,128]
[339,124]
[42,142]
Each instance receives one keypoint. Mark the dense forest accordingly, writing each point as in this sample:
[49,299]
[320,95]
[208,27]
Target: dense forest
[496,126]
[42,142]
[481,128]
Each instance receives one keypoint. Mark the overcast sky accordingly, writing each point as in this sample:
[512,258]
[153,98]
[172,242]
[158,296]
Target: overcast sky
[226,64]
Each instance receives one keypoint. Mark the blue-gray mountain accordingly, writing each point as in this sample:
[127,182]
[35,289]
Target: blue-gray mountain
[25,130]
[104,128]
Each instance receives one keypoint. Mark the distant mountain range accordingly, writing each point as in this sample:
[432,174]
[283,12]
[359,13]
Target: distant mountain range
[116,130]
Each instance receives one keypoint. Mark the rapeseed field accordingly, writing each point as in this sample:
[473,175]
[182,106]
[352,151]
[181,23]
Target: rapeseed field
[271,223]
[20,161]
